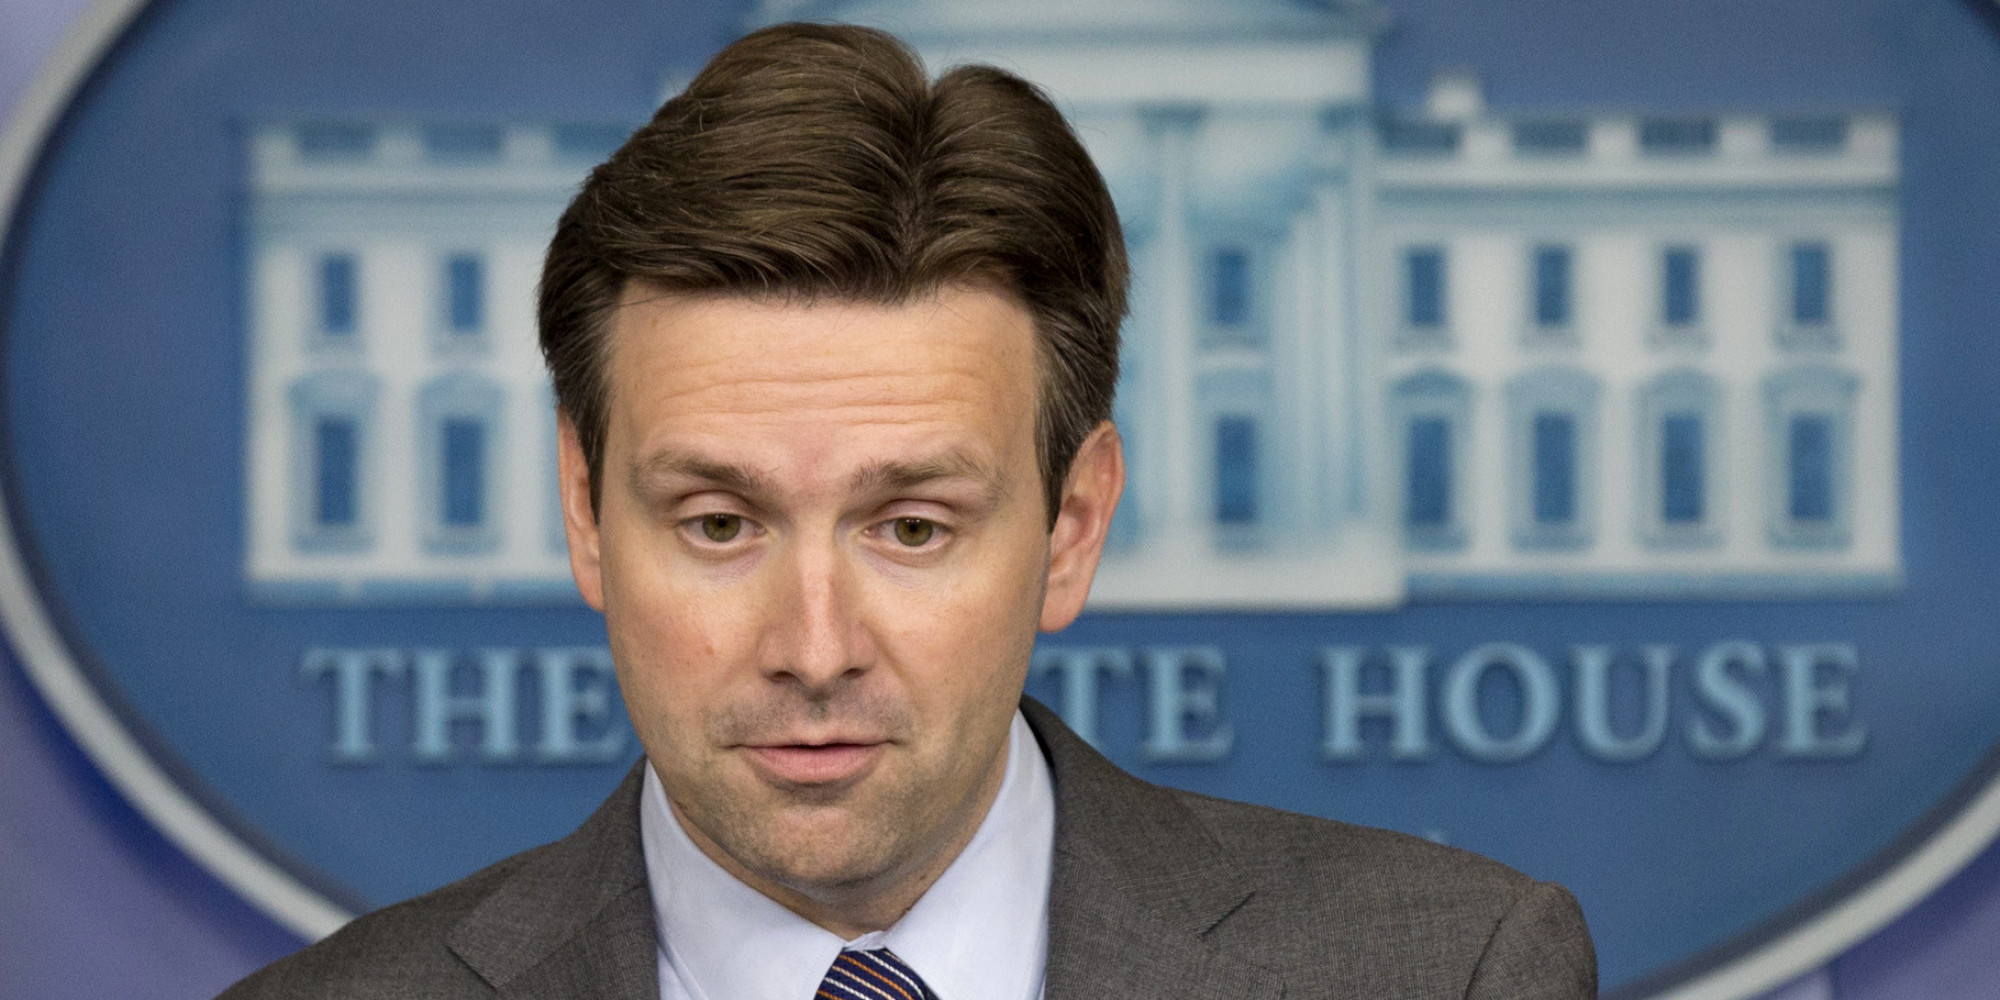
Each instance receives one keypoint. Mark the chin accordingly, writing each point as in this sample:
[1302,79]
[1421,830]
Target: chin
[824,854]
[820,870]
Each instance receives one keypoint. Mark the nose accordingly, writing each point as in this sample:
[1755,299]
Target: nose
[813,633]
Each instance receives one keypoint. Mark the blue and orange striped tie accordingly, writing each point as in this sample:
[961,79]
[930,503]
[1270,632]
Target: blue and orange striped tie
[872,975]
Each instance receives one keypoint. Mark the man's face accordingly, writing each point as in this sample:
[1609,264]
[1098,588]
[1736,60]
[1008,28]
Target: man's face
[822,556]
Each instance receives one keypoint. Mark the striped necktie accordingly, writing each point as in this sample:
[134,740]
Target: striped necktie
[872,975]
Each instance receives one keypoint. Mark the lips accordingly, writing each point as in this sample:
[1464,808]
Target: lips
[815,764]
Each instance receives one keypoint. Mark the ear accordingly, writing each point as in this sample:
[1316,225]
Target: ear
[579,520]
[1090,495]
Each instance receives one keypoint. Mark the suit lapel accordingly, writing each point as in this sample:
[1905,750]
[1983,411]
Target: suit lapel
[1139,884]
[575,918]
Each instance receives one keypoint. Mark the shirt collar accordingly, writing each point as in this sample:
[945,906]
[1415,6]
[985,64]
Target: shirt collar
[979,933]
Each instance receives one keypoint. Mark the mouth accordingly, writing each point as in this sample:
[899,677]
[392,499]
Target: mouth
[815,764]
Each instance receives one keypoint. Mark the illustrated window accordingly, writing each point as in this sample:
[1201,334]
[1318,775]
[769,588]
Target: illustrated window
[459,417]
[1432,413]
[1809,431]
[337,286]
[463,143]
[1807,317]
[335,142]
[1677,136]
[332,461]
[1679,320]
[1810,135]
[464,295]
[1229,283]
[1236,471]
[1551,136]
[1552,292]
[1678,490]
[1553,418]
[1425,295]
[1229,288]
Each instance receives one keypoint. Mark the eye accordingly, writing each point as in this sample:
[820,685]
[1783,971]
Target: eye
[721,527]
[915,532]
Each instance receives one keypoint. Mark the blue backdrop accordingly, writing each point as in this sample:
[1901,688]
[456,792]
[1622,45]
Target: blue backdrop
[132,164]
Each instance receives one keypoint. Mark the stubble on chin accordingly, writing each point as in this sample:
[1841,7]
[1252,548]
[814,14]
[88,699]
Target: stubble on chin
[810,838]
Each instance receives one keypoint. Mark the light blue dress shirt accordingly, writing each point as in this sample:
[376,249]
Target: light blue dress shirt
[979,933]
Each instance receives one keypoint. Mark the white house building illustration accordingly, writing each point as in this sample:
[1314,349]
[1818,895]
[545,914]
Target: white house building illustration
[1376,352]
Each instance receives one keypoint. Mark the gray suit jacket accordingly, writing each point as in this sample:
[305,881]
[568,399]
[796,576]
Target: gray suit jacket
[1156,893]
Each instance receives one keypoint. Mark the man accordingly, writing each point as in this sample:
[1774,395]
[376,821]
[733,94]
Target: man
[834,347]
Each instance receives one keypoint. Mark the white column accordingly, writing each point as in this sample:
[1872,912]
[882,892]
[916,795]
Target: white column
[1301,384]
[1173,284]
[1336,361]
[1364,482]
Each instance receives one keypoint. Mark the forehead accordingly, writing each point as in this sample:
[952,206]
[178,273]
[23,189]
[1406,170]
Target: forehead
[740,371]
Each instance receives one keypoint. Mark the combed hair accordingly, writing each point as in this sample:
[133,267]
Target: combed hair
[819,162]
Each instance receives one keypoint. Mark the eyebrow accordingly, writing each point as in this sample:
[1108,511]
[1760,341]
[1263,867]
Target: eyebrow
[649,476]
[893,476]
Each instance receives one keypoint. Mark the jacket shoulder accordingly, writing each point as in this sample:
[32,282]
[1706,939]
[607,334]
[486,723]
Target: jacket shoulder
[575,908]
[397,951]
[1278,847]
[1328,909]
[1396,915]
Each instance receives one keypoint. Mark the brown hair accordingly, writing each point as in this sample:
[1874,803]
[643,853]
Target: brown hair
[819,161]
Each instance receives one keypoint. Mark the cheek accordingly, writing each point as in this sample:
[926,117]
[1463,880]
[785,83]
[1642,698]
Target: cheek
[671,646]
[650,590]
[964,644]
